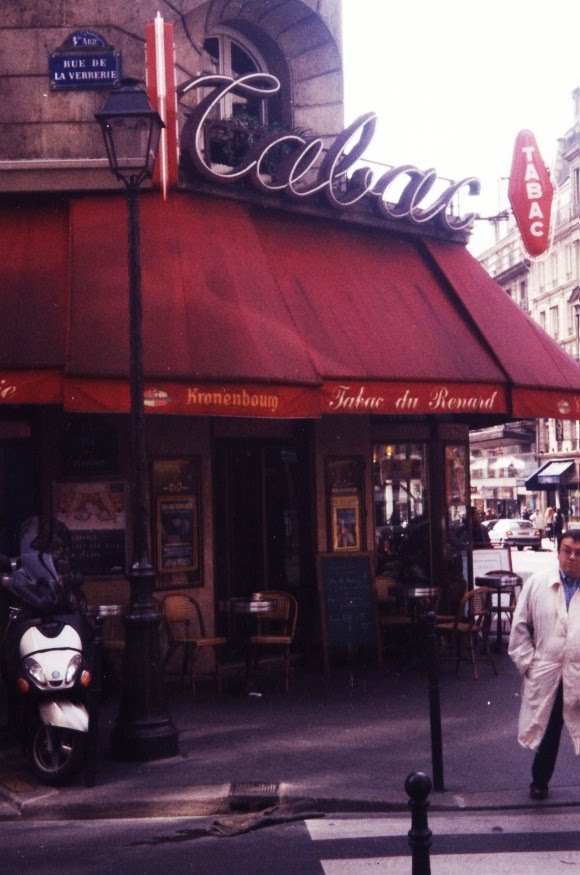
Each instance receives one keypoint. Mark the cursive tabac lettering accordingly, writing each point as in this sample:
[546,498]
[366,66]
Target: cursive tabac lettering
[302,173]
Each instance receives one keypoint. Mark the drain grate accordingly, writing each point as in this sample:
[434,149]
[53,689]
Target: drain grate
[253,795]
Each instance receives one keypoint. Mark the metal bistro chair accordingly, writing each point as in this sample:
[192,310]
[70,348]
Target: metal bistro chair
[275,629]
[469,628]
[185,628]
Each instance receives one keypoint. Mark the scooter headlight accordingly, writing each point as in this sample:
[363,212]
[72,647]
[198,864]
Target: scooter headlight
[73,668]
[35,672]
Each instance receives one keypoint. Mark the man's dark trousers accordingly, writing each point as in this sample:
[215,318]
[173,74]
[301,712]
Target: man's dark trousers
[545,758]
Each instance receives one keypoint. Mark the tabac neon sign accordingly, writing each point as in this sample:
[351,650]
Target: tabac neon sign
[306,171]
[530,193]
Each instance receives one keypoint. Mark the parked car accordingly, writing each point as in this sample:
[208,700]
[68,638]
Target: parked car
[515,533]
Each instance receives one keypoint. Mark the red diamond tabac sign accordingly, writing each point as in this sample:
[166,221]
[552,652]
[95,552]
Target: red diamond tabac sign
[530,193]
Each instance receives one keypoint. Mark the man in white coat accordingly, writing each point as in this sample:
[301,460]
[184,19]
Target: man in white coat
[545,647]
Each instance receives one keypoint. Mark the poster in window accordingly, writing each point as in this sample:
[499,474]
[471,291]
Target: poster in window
[345,510]
[95,514]
[177,548]
[176,489]
[456,474]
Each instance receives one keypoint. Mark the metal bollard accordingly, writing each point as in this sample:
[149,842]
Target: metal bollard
[434,705]
[418,786]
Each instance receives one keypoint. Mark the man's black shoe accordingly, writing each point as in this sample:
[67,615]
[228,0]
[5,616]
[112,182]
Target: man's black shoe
[539,792]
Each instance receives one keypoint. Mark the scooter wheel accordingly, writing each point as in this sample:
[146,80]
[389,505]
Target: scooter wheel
[57,753]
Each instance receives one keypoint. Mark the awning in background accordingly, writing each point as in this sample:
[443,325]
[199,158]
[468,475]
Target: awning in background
[502,463]
[257,312]
[551,475]
[478,464]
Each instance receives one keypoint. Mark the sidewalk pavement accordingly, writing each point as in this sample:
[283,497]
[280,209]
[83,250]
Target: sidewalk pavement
[346,742]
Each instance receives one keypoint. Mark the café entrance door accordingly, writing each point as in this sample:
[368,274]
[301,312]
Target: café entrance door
[257,512]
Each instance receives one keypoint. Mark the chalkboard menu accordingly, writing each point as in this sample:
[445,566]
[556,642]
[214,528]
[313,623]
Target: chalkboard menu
[347,605]
[89,447]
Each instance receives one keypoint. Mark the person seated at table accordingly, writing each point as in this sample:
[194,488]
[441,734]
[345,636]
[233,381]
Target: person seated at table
[472,529]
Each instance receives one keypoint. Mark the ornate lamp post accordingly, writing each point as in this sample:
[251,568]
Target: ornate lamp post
[131,129]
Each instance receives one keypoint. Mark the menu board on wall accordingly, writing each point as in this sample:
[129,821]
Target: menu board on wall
[95,515]
[89,448]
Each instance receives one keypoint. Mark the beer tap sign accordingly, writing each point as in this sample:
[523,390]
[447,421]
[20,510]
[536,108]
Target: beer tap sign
[530,194]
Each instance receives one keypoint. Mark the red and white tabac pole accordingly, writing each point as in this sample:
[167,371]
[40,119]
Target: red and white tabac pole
[163,96]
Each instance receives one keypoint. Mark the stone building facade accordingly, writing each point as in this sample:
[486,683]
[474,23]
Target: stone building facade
[48,137]
[317,345]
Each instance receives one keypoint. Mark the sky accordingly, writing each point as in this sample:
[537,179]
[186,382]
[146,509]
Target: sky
[453,81]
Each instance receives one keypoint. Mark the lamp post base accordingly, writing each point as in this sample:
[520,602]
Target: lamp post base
[142,742]
[143,730]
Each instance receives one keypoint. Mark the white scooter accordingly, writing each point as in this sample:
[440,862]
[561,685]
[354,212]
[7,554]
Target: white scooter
[46,642]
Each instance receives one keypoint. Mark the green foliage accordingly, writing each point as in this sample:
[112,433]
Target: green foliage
[232,137]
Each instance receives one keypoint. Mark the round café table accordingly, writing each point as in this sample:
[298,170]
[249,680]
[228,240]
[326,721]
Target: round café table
[251,606]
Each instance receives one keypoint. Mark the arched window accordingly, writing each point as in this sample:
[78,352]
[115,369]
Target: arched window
[227,55]
[238,120]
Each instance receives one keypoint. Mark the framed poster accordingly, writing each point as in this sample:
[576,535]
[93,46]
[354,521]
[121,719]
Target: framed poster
[177,548]
[345,521]
[176,497]
[344,500]
[95,513]
[177,476]
[344,474]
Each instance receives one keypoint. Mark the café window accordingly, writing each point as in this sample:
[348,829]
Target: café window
[401,512]
[555,322]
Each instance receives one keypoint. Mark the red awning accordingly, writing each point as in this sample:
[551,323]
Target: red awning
[34,301]
[271,307]
[255,312]
[545,380]
[211,308]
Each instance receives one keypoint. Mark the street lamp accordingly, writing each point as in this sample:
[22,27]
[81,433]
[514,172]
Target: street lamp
[131,129]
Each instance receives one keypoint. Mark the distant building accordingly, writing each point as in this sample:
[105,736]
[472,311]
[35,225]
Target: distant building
[548,289]
[502,458]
